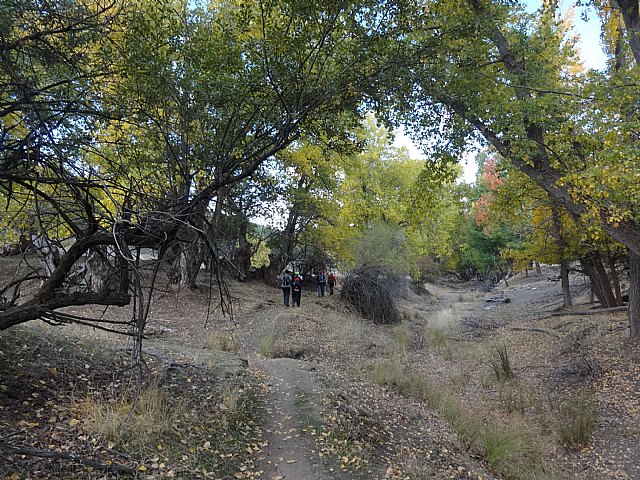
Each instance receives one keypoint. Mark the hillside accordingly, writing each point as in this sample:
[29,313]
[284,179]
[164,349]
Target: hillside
[463,388]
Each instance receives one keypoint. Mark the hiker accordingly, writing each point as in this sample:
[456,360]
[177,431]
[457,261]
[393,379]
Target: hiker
[285,284]
[296,288]
[331,281]
[321,283]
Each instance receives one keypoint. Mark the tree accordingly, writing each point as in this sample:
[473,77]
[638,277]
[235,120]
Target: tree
[509,77]
[122,122]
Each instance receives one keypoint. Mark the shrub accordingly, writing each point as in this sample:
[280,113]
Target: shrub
[371,290]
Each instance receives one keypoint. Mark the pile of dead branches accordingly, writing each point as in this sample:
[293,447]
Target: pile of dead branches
[371,290]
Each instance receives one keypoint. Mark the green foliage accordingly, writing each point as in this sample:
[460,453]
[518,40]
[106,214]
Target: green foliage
[481,251]
[382,245]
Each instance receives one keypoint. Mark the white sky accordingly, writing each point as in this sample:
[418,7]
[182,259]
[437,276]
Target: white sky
[592,56]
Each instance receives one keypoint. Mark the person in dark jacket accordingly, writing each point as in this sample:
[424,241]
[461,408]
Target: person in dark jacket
[285,284]
[331,282]
[296,288]
[322,281]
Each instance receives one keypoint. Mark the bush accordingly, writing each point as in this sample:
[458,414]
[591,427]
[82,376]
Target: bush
[371,290]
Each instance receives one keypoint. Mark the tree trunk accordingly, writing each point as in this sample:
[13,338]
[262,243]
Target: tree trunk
[186,265]
[566,288]
[280,260]
[186,269]
[538,269]
[599,281]
[631,15]
[562,246]
[615,279]
[634,294]
[243,253]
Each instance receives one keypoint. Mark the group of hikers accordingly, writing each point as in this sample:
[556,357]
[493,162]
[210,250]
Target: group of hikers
[291,284]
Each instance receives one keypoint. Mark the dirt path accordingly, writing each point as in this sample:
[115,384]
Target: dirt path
[293,404]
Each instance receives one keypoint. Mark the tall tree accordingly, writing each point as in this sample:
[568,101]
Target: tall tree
[509,78]
[122,120]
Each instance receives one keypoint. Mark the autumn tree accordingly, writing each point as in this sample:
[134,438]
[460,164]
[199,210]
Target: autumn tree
[512,80]
[122,121]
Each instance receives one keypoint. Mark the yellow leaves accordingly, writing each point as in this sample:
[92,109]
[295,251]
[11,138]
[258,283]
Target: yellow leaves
[73,422]
[24,423]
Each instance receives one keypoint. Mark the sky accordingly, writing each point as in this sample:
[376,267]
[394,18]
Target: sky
[592,56]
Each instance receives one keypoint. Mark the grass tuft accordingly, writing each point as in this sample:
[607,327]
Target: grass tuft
[440,327]
[576,422]
[224,343]
[512,451]
[500,363]
[268,343]
[388,372]
[153,416]
[403,337]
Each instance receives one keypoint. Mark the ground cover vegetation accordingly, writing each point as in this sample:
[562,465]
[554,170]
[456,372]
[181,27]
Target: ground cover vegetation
[142,141]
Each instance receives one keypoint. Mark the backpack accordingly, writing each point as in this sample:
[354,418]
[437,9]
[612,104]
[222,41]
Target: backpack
[296,283]
[286,280]
[332,279]
[320,279]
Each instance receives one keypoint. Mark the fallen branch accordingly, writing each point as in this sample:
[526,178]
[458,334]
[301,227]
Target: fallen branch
[541,330]
[32,452]
[590,312]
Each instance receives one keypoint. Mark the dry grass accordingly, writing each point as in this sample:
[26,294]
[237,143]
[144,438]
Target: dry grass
[223,342]
[575,423]
[120,422]
[268,343]
[402,334]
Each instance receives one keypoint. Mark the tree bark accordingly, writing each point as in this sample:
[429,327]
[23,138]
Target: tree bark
[634,294]
[243,252]
[615,279]
[631,14]
[599,280]
[566,288]
[288,243]
[562,246]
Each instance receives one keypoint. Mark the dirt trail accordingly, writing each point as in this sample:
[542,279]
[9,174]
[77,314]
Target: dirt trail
[293,401]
